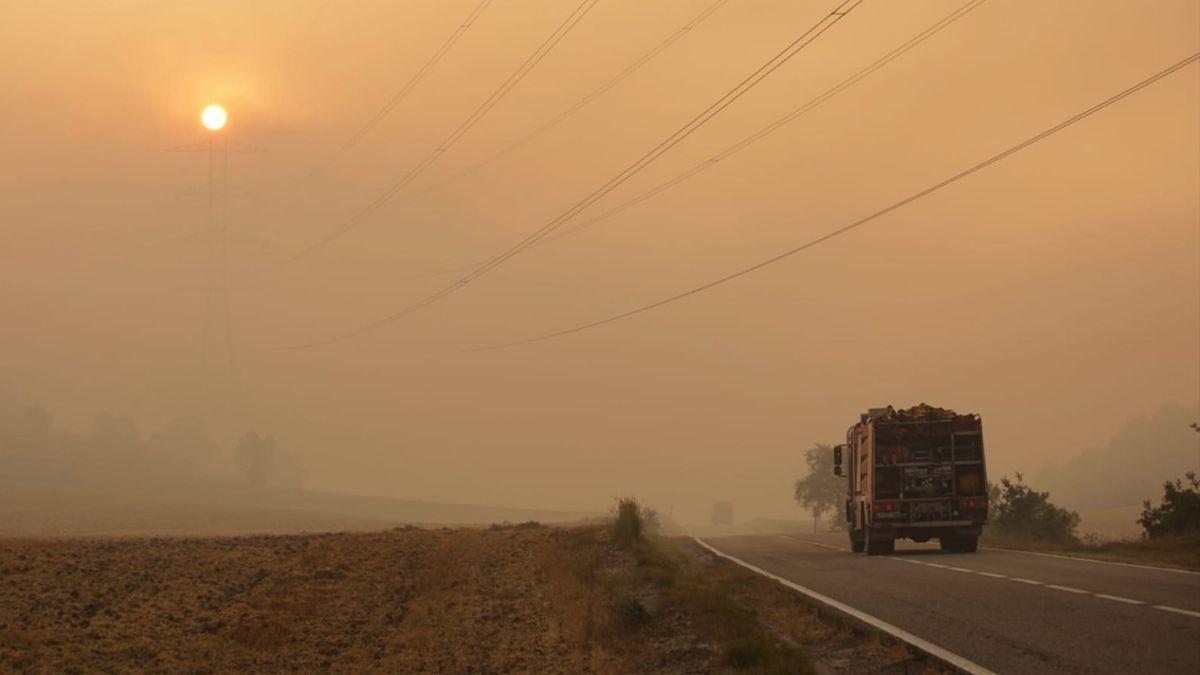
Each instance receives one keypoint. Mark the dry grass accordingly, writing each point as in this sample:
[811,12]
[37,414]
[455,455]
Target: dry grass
[523,598]
[396,601]
[1179,551]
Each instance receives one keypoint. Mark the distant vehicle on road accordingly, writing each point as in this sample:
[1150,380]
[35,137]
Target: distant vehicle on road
[722,513]
[917,474]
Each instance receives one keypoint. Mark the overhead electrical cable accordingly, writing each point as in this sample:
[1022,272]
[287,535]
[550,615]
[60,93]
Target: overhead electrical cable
[595,94]
[862,221]
[774,126]
[751,139]
[417,77]
[479,113]
[758,75]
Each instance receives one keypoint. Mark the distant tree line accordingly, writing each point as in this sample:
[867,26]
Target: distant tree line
[181,447]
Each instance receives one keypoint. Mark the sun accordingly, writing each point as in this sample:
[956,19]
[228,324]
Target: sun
[213,117]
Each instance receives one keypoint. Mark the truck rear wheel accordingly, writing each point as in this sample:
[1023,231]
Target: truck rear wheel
[857,541]
[968,544]
[880,546]
[948,543]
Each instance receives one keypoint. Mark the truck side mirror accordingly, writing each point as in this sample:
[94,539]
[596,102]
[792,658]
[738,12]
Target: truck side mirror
[837,460]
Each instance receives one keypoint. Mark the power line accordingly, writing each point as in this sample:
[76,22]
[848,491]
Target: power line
[805,39]
[771,65]
[417,77]
[774,126]
[592,96]
[862,221]
[712,161]
[490,102]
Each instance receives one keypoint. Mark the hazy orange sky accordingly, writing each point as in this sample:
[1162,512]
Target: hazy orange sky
[1056,293]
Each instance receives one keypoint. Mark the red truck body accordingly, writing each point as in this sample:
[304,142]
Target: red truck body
[917,474]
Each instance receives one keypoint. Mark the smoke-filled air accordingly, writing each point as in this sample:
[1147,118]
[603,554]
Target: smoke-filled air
[650,271]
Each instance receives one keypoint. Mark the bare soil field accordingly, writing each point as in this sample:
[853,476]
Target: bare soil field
[523,598]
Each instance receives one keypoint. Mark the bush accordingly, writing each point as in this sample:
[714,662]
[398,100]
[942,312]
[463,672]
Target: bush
[759,653]
[631,613]
[631,520]
[1179,511]
[748,652]
[1023,512]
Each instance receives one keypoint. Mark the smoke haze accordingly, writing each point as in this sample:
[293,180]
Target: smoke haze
[1056,293]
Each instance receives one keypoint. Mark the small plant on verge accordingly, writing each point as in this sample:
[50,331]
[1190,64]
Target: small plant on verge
[631,521]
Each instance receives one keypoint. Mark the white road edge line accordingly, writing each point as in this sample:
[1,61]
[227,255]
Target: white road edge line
[1031,582]
[1068,589]
[953,659]
[992,575]
[1185,612]
[1099,562]
[1118,598]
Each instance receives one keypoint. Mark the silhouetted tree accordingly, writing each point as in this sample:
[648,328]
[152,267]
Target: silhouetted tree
[1179,511]
[24,428]
[257,456]
[820,491]
[184,443]
[1024,512]
[993,499]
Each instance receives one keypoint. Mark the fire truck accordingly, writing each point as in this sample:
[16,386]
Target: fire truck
[918,474]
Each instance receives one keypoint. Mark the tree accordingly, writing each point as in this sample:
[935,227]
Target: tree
[263,463]
[256,455]
[820,491]
[183,445]
[993,500]
[24,427]
[1179,511]
[1024,512]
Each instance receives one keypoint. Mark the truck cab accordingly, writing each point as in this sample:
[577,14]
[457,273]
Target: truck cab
[917,473]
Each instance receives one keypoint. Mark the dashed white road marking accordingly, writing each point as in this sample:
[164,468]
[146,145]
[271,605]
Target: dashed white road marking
[1185,612]
[994,575]
[1118,598]
[1068,589]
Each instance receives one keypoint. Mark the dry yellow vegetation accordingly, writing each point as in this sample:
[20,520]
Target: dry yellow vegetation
[522,598]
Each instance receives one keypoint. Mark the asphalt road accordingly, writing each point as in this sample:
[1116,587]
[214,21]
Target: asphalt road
[1008,611]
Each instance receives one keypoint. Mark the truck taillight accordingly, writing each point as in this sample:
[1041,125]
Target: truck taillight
[885,506]
[974,503]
